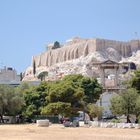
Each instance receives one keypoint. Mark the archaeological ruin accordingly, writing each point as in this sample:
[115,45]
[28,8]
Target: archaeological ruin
[75,54]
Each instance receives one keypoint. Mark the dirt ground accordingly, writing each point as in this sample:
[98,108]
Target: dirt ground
[58,132]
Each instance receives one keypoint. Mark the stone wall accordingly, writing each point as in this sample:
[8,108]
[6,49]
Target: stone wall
[78,47]
[123,48]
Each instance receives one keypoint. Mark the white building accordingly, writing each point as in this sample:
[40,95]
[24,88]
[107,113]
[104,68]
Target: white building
[9,76]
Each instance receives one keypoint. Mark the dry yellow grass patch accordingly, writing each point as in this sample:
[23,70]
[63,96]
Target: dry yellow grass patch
[58,132]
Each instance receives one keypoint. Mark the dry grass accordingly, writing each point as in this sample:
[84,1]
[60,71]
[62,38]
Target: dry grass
[58,132]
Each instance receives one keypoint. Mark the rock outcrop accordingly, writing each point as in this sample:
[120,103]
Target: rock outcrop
[75,54]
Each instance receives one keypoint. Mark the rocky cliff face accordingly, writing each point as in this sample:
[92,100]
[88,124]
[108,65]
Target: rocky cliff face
[77,53]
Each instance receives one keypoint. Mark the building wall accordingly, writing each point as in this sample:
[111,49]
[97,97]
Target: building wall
[8,75]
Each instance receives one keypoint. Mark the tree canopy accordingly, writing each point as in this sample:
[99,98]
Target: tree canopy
[56,45]
[34,97]
[126,103]
[60,95]
[74,92]
[11,101]
[135,80]
[66,96]
[94,110]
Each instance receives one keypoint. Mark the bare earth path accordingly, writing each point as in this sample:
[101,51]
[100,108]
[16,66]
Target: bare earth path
[58,132]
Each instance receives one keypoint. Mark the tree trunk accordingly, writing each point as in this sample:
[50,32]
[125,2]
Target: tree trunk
[84,116]
[137,120]
[128,120]
[1,118]
[91,118]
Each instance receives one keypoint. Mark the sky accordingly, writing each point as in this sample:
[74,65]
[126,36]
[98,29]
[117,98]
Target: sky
[27,26]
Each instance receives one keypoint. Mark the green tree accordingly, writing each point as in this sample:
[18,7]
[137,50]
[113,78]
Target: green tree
[34,68]
[11,101]
[135,80]
[42,75]
[57,108]
[34,98]
[92,89]
[22,87]
[94,111]
[127,103]
[56,45]
[74,89]
[60,95]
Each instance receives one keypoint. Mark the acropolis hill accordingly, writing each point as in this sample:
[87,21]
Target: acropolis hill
[74,55]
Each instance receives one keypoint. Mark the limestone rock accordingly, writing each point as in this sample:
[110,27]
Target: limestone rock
[76,54]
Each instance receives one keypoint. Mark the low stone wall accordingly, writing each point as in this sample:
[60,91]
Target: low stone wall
[9,119]
[113,125]
[43,123]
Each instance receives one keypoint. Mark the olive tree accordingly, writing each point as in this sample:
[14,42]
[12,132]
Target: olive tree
[11,101]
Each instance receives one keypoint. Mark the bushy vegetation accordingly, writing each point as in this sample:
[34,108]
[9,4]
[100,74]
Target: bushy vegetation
[134,82]
[94,111]
[65,97]
[11,101]
[128,102]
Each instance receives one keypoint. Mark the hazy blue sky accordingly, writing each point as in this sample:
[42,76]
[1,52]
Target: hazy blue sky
[26,26]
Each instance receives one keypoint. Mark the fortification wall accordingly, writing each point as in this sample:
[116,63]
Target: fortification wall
[82,47]
[123,48]
[68,52]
